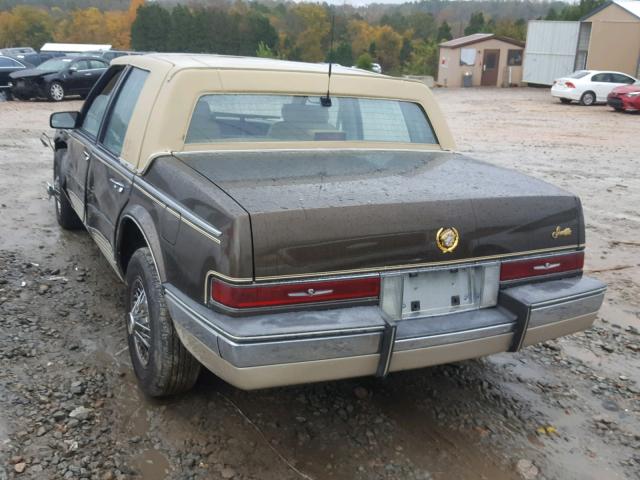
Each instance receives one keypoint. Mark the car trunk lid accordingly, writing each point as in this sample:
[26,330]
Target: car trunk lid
[335,211]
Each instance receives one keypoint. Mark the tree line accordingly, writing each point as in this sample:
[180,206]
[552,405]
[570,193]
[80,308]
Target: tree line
[403,39]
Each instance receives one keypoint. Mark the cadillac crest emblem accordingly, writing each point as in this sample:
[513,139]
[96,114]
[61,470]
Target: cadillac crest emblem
[447,239]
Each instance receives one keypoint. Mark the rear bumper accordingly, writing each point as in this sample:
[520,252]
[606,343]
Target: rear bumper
[311,346]
[568,93]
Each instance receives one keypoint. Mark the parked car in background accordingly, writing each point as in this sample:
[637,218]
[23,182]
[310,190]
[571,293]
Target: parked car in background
[376,67]
[16,51]
[36,59]
[9,65]
[241,205]
[59,77]
[588,86]
[625,98]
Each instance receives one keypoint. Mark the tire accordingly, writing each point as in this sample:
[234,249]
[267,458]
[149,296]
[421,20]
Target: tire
[55,92]
[160,361]
[618,109]
[65,214]
[565,100]
[588,99]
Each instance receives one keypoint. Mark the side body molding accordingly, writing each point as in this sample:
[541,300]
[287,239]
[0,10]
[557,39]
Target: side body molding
[145,223]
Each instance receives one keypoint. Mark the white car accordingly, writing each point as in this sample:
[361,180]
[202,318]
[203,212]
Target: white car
[588,86]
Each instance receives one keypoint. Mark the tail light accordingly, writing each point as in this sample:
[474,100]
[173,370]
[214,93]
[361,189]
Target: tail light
[534,267]
[256,296]
[569,85]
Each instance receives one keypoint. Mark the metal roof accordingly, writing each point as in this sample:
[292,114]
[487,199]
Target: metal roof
[631,6]
[73,47]
[478,37]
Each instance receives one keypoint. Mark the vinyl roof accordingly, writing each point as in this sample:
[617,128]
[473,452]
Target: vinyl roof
[182,61]
[476,38]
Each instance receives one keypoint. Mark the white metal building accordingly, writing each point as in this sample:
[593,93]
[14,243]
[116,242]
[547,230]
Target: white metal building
[74,47]
[550,51]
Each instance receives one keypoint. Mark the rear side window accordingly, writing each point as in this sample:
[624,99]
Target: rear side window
[601,77]
[9,62]
[118,120]
[273,118]
[579,74]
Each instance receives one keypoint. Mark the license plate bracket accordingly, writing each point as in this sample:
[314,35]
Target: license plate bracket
[440,291]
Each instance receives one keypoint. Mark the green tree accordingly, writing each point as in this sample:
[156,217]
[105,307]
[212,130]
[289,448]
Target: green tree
[148,31]
[476,24]
[264,51]
[444,32]
[343,54]
[365,62]
[182,30]
[424,59]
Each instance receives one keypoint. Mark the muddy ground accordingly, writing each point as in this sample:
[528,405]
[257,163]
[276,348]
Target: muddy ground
[70,407]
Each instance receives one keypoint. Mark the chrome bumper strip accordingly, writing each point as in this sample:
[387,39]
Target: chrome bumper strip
[357,332]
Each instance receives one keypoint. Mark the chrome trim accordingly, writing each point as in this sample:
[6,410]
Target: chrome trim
[393,268]
[292,351]
[567,308]
[546,266]
[188,218]
[76,203]
[310,148]
[146,240]
[453,337]
[105,247]
[577,296]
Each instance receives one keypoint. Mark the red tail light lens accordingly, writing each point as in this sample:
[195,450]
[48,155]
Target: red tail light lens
[256,296]
[534,267]
[569,85]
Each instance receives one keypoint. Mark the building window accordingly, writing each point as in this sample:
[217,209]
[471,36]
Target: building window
[515,58]
[468,56]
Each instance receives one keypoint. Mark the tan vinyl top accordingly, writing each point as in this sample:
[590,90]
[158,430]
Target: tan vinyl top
[176,81]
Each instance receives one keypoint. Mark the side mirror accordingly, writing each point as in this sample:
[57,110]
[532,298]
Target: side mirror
[73,70]
[66,120]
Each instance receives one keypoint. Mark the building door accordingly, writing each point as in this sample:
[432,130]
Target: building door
[490,64]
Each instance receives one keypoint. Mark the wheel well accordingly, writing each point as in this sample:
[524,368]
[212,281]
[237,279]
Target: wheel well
[131,239]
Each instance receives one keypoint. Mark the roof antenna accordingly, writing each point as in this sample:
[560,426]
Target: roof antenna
[326,101]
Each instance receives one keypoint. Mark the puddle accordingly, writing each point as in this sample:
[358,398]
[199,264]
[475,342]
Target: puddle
[151,465]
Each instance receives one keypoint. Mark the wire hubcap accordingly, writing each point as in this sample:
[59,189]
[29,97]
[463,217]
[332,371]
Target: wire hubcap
[138,325]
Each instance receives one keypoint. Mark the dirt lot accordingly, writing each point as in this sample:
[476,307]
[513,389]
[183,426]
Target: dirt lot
[70,408]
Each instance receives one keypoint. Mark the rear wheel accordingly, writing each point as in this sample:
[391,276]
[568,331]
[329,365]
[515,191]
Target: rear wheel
[65,214]
[162,364]
[56,92]
[565,100]
[588,99]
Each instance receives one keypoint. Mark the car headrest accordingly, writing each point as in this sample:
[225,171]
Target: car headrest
[202,111]
[299,113]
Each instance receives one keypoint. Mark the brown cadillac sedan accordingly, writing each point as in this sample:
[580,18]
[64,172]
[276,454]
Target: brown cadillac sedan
[277,233]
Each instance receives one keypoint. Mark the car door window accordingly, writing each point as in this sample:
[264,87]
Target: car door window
[97,109]
[122,110]
[95,64]
[81,65]
[599,77]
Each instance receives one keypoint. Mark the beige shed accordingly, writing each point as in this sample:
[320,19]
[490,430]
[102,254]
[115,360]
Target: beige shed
[481,59]
[610,38]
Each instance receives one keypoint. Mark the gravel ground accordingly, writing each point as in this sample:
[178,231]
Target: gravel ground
[70,407]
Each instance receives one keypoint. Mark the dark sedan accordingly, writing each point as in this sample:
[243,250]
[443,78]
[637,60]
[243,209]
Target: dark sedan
[7,67]
[58,78]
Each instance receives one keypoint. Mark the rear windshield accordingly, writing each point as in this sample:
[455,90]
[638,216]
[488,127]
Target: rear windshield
[579,74]
[265,118]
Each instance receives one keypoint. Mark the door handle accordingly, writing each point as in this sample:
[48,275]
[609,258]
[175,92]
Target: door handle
[117,186]
[86,155]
